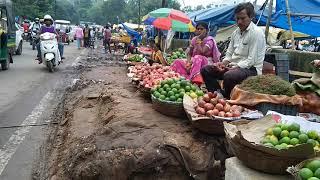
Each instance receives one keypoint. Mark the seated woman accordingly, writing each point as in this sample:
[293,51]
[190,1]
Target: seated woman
[202,51]
[157,56]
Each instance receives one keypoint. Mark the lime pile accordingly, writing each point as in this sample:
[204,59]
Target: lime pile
[136,58]
[284,136]
[310,171]
[174,89]
[179,54]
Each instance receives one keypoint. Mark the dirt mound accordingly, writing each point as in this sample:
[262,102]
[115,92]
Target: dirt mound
[109,131]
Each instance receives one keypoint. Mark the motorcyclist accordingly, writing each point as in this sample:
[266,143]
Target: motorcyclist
[47,27]
[36,25]
[25,25]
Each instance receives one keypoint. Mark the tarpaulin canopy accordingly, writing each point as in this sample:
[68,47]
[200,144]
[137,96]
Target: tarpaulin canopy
[217,16]
[300,19]
[136,35]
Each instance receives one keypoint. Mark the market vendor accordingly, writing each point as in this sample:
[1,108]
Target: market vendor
[157,56]
[201,52]
[244,56]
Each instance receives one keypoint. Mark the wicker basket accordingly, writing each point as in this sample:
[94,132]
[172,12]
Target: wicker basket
[203,123]
[146,92]
[168,108]
[294,170]
[280,108]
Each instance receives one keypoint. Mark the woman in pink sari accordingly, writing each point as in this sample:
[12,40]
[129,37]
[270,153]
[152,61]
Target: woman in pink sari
[203,50]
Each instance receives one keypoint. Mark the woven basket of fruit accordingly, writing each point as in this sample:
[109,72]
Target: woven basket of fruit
[306,170]
[167,97]
[270,150]
[208,113]
[267,92]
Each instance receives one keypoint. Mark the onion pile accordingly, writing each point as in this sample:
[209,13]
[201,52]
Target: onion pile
[151,76]
[211,105]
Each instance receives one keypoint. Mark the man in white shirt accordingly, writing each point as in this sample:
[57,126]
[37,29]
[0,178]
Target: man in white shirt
[244,57]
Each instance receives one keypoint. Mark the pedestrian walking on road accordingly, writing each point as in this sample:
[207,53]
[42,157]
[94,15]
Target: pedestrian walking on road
[79,35]
[107,38]
[86,38]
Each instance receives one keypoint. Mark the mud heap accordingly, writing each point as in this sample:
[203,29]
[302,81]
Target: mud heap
[109,130]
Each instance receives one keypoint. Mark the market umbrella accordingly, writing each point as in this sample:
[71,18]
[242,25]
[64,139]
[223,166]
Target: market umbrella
[166,19]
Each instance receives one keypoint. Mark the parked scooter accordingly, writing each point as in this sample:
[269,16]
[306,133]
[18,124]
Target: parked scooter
[49,50]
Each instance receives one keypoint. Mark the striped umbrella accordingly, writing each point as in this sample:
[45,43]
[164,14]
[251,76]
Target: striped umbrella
[166,19]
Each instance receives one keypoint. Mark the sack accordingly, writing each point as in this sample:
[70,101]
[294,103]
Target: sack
[310,102]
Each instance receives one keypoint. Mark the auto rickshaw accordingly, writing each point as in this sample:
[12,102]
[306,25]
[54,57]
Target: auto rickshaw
[7,34]
[64,27]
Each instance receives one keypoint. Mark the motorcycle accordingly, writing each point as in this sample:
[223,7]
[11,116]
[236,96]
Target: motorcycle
[26,35]
[34,39]
[50,54]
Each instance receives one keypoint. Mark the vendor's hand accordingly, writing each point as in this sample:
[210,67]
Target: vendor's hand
[316,63]
[202,35]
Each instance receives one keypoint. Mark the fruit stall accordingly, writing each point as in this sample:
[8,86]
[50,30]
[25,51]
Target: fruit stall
[272,126]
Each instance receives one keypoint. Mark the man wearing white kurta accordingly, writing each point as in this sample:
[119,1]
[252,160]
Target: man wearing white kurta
[245,53]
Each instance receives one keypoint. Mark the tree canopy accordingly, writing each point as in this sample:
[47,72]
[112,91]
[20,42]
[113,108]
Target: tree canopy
[98,11]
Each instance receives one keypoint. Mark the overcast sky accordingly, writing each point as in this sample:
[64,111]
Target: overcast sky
[194,3]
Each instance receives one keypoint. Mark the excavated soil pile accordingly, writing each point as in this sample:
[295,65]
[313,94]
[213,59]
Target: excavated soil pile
[110,131]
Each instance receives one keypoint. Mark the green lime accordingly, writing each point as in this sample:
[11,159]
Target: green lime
[187,93]
[284,133]
[294,134]
[160,90]
[284,127]
[178,86]
[163,83]
[187,88]
[173,98]
[276,131]
[182,90]
[193,95]
[170,93]
[181,94]
[313,165]
[313,135]
[166,86]
[279,147]
[265,140]
[168,89]
[184,83]
[170,81]
[177,96]
[179,100]
[268,144]
[274,140]
[174,90]
[153,90]
[269,131]
[199,93]
[164,93]
[157,94]
[194,88]
[317,173]
[173,85]
[294,127]
[313,178]
[294,141]
[312,141]
[162,97]
[305,173]
[285,140]
[167,99]
[278,125]
[303,138]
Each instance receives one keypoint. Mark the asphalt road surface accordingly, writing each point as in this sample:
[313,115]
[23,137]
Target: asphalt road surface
[28,94]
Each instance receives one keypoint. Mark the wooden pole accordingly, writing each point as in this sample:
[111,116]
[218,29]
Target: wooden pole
[290,24]
[139,15]
[269,20]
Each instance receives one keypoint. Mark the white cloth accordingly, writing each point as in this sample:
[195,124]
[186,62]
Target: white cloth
[247,49]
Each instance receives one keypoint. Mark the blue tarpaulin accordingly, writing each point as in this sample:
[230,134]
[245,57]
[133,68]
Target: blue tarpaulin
[136,35]
[304,24]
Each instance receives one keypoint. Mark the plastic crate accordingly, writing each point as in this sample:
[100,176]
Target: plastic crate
[280,108]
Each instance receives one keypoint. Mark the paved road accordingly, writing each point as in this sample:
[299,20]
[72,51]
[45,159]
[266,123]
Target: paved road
[28,94]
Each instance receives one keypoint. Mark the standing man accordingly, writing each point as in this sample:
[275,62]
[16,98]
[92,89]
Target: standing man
[79,35]
[244,57]
[107,38]
[86,36]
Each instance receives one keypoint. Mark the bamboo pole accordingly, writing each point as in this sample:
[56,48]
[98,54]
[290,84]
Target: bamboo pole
[269,20]
[290,24]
